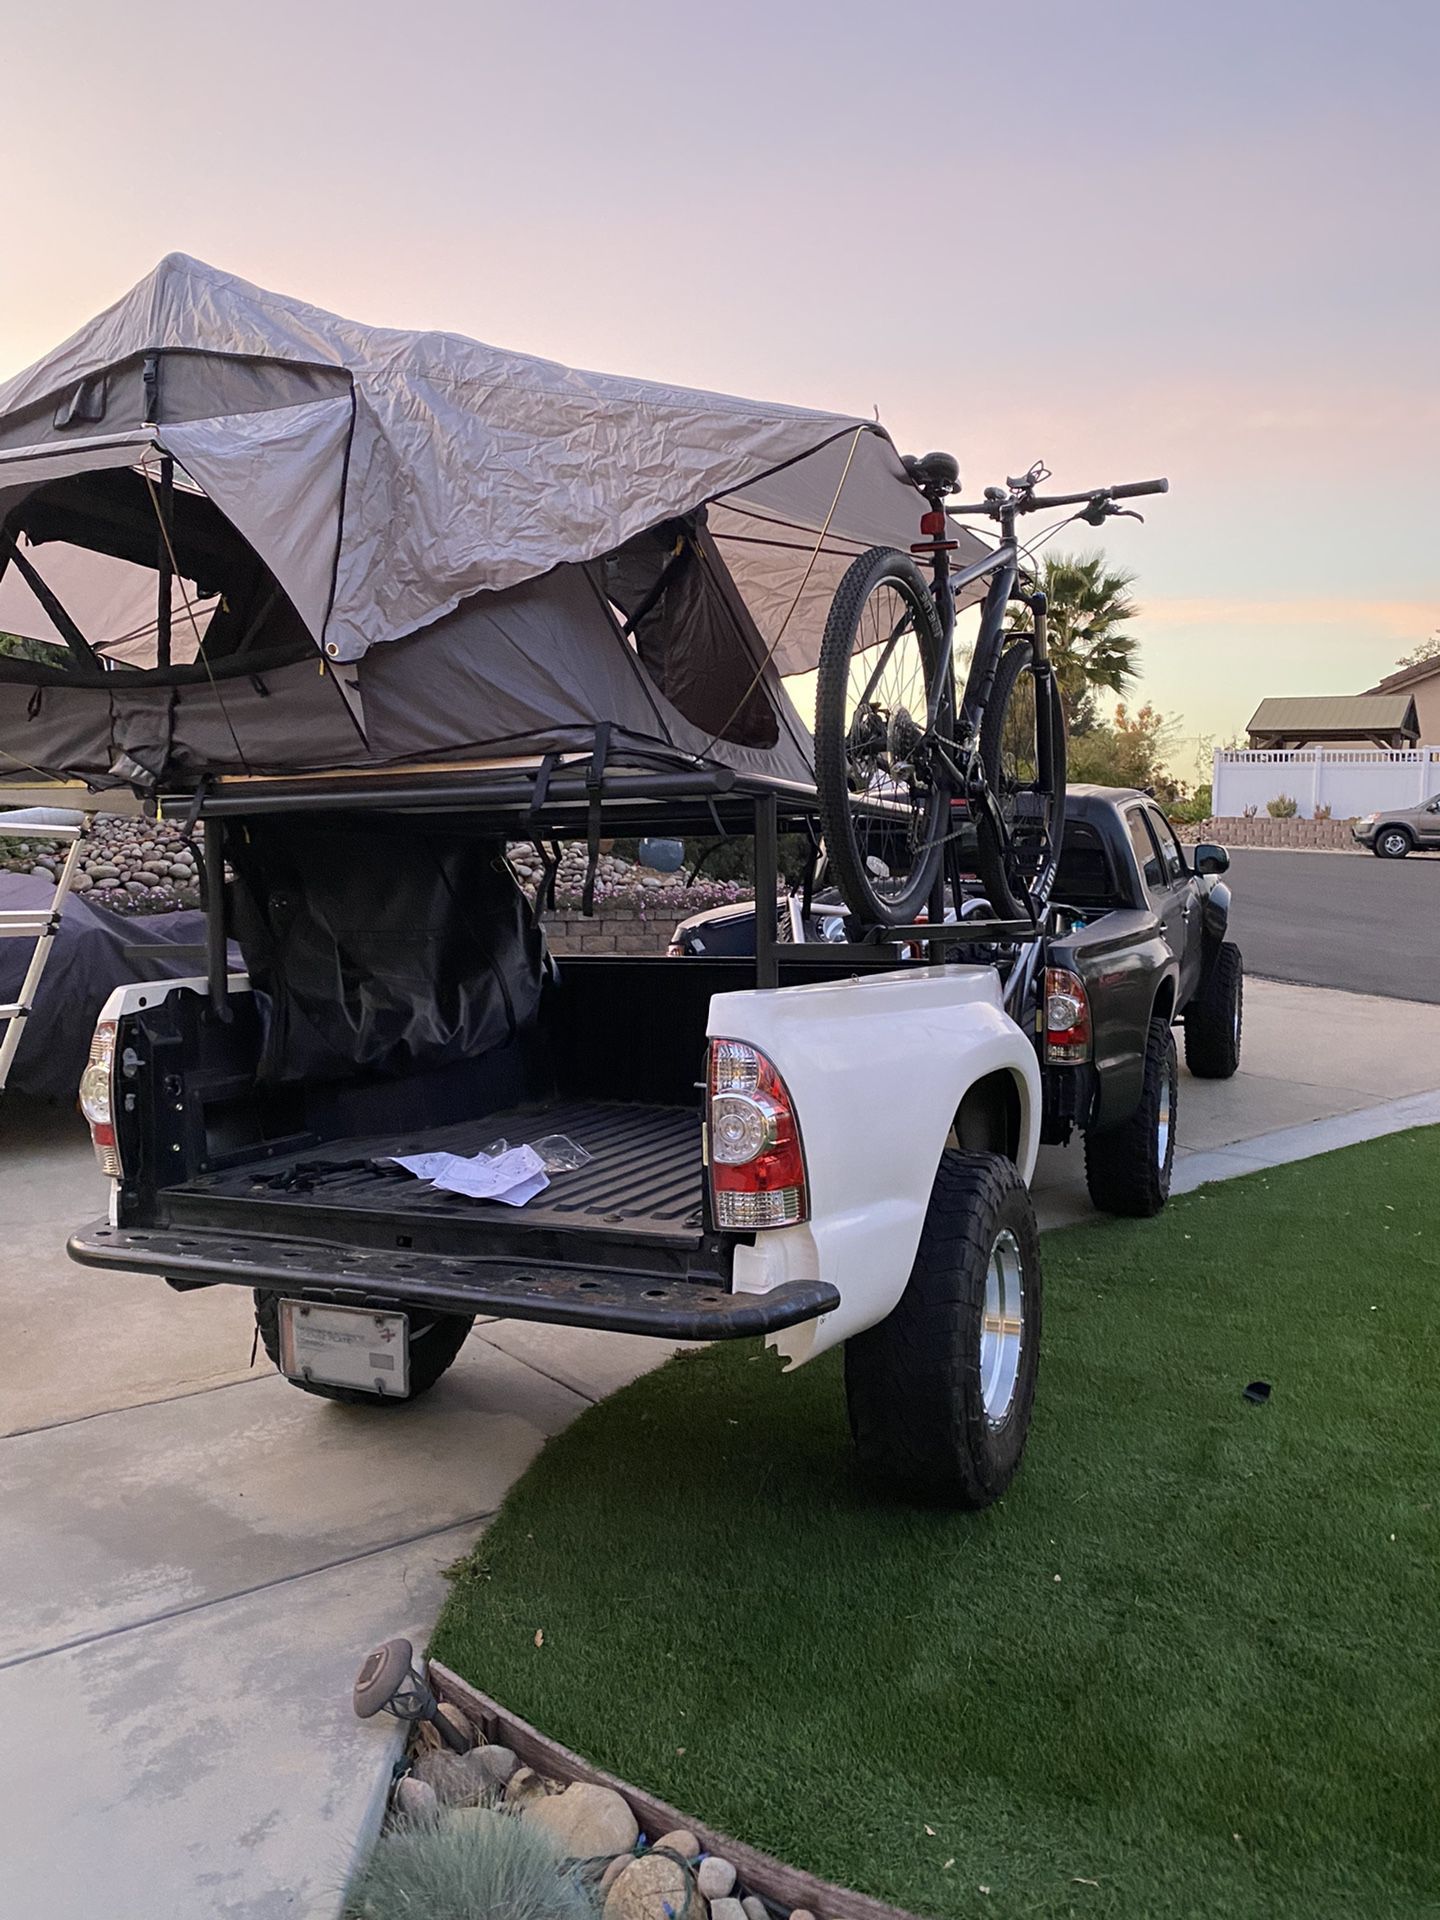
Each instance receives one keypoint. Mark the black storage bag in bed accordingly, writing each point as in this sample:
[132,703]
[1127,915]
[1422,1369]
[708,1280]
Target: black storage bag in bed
[386,948]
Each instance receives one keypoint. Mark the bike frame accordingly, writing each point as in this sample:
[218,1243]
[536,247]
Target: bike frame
[1003,568]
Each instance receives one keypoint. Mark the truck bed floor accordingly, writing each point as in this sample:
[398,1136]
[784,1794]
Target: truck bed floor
[643,1178]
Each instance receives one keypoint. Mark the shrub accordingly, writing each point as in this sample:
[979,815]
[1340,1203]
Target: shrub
[1282,807]
[1250,812]
[1322,813]
[1191,812]
[486,1866]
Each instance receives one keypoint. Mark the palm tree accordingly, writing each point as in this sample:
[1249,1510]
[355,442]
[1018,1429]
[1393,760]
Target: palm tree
[1092,650]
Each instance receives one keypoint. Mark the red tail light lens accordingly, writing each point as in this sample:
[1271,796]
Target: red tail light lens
[1068,1039]
[97,1097]
[757,1166]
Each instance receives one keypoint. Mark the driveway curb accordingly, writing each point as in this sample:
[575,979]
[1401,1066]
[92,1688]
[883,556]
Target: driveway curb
[1304,1142]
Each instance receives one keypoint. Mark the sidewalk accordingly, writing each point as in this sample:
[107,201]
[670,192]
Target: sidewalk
[197,1556]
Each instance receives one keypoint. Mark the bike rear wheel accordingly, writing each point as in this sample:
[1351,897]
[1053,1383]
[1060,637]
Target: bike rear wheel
[885,693]
[1017,847]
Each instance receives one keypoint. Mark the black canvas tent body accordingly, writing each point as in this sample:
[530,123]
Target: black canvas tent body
[243,540]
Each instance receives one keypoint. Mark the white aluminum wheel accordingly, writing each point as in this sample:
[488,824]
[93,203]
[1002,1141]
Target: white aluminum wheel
[1002,1331]
[1166,1105]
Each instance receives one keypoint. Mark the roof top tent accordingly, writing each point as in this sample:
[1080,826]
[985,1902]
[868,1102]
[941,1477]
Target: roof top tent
[259,557]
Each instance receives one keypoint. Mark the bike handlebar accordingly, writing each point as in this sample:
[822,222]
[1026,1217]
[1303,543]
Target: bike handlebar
[1131,490]
[1023,502]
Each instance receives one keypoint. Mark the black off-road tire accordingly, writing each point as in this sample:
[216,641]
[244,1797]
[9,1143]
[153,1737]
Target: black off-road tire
[1393,843]
[1127,1168]
[1214,1017]
[832,783]
[913,1383]
[1010,892]
[435,1343]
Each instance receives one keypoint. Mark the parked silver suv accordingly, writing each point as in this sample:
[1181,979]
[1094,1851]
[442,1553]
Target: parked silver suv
[1400,830]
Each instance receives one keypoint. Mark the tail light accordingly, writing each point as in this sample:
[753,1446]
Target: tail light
[1067,1017]
[757,1167]
[97,1097]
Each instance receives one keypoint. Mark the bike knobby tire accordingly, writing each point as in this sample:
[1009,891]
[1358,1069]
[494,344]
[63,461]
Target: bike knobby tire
[1017,866]
[880,809]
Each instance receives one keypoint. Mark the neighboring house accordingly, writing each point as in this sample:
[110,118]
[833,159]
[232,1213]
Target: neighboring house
[1382,718]
[1422,684]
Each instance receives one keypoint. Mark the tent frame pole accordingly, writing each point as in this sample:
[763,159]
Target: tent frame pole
[217,958]
[767,903]
[166,570]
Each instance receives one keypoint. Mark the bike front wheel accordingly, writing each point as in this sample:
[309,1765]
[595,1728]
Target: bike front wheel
[1018,836]
[883,704]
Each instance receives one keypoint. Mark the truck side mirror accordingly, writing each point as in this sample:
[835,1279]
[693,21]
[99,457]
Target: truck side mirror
[1208,858]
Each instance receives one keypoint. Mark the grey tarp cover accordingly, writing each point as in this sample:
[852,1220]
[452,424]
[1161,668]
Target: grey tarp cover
[95,951]
[393,480]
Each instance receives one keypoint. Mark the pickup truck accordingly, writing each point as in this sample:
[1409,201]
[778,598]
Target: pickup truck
[839,1158]
[1135,943]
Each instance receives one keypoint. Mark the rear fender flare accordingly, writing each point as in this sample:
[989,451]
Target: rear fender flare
[880,1070]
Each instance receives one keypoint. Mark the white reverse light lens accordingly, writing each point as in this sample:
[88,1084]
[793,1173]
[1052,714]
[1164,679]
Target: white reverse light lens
[740,1129]
[95,1081]
[734,1067]
[744,1212]
[1062,1012]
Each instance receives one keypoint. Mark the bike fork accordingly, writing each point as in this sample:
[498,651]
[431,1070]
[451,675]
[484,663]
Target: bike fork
[1044,697]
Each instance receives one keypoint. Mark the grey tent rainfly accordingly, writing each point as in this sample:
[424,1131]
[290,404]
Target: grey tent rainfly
[241,536]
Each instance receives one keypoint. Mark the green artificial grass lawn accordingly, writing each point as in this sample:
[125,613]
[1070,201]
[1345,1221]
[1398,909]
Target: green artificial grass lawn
[1225,1704]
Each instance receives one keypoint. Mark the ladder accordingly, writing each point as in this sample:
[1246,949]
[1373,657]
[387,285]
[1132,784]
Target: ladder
[39,924]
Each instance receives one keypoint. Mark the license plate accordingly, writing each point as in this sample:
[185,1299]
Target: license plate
[345,1347]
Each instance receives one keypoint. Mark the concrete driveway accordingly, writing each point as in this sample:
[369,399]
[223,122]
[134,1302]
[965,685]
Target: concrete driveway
[196,1555]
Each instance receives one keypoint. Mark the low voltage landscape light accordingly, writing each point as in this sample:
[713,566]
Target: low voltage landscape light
[390,1682]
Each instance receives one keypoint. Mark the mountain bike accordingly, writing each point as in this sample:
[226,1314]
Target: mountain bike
[896,752]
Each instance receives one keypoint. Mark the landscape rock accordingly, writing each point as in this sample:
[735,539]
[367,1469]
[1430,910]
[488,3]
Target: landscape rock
[801,1913]
[525,1785]
[726,1909]
[681,1841]
[652,1887]
[455,1719]
[613,1872]
[499,1762]
[586,1822]
[754,1907]
[416,1800]
[716,1880]
[459,1779]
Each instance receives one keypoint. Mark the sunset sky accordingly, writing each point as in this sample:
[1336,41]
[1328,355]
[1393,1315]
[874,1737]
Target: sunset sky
[1131,239]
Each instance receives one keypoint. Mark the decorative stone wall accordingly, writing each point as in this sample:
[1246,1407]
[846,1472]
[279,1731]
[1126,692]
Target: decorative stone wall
[1262,831]
[617,927]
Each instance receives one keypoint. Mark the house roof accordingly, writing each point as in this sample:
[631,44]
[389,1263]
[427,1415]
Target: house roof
[1340,714]
[1407,676]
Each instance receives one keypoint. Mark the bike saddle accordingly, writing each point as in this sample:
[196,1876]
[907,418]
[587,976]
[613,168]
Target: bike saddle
[934,472]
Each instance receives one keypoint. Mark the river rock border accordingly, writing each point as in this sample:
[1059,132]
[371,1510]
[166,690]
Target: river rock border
[714,1874]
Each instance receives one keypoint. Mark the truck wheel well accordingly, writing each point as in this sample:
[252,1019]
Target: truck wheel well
[988,1118]
[1164,1008]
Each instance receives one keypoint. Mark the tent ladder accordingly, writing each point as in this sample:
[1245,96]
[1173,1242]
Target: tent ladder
[39,924]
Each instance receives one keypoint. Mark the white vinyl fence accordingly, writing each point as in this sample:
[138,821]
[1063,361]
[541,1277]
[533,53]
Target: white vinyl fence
[1347,780]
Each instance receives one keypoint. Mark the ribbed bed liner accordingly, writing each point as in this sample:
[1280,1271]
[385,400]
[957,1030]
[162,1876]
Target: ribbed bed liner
[644,1175]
